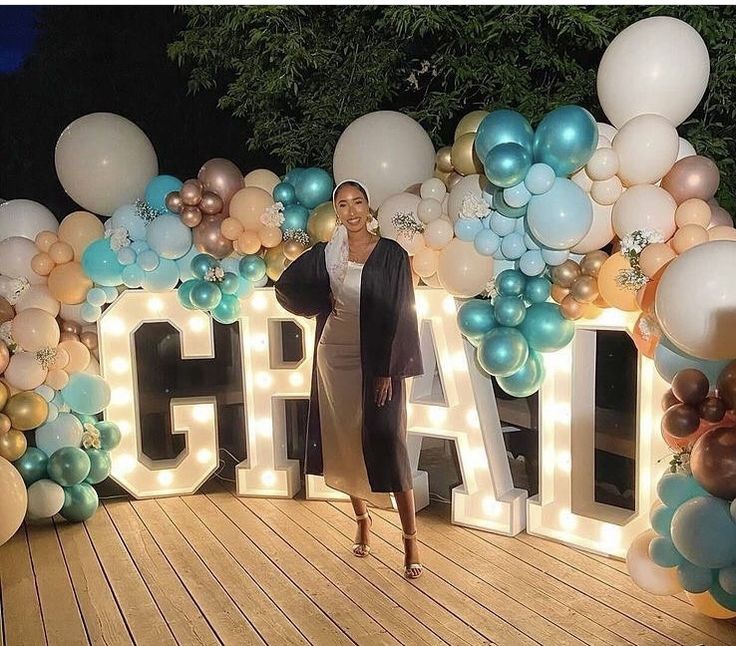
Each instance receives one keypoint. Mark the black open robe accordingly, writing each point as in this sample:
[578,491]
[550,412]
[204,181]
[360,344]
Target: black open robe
[389,347]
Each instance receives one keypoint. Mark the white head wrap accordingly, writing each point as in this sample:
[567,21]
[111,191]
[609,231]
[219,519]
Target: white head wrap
[337,250]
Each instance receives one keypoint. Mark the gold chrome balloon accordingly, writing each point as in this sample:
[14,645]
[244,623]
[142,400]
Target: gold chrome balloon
[469,123]
[13,445]
[26,410]
[464,159]
[321,224]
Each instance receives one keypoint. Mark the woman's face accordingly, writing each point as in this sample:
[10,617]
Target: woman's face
[352,208]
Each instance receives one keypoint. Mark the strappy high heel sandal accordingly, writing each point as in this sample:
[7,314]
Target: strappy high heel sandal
[361,550]
[412,570]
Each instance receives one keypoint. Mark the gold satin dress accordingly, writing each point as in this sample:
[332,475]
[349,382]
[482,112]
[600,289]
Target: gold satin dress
[340,391]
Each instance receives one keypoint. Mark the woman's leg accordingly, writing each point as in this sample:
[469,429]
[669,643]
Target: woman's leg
[407,513]
[362,536]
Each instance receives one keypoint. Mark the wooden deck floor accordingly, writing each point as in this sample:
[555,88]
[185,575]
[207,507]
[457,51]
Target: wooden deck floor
[213,568]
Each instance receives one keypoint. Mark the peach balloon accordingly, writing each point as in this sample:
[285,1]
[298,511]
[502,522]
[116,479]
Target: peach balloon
[412,243]
[722,232]
[613,294]
[462,271]
[689,236]
[62,359]
[24,371]
[248,204]
[262,178]
[270,236]
[79,229]
[45,239]
[42,264]
[654,257]
[57,379]
[705,604]
[645,335]
[693,211]
[78,355]
[34,329]
[69,284]
[61,252]
[425,262]
[231,228]
[248,242]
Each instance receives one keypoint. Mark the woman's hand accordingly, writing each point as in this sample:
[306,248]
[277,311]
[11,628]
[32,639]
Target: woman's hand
[383,390]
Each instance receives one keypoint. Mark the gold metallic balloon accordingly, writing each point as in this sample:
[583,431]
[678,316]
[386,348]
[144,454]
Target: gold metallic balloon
[464,159]
[292,249]
[565,274]
[26,410]
[321,224]
[592,262]
[584,289]
[559,293]
[13,445]
[4,358]
[469,123]
[5,424]
[4,395]
[443,159]
[275,262]
[570,308]
[440,174]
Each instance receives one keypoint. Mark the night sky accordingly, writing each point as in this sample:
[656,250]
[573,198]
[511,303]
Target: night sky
[17,30]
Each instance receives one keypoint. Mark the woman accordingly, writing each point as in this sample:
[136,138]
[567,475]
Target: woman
[360,289]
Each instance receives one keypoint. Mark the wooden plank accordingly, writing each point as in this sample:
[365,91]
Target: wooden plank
[143,617]
[23,622]
[395,619]
[100,613]
[265,615]
[314,624]
[467,609]
[62,619]
[493,598]
[341,608]
[231,626]
[681,611]
[390,582]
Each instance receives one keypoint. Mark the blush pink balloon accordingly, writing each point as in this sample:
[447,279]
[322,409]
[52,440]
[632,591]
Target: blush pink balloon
[694,176]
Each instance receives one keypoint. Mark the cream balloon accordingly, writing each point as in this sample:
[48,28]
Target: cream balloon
[433,188]
[685,149]
[462,271]
[34,329]
[472,185]
[40,297]
[644,207]
[607,131]
[13,501]
[26,219]
[16,254]
[647,148]
[582,179]
[705,604]
[603,164]
[262,178]
[607,191]
[425,262]
[696,300]
[438,234]
[104,161]
[24,371]
[429,209]
[720,217]
[387,151]
[646,573]
[600,232]
[395,206]
[45,498]
[658,65]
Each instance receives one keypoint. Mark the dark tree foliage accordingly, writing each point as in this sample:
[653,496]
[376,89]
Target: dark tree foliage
[298,75]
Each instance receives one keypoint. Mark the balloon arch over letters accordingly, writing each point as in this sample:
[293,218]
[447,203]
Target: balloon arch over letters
[506,230]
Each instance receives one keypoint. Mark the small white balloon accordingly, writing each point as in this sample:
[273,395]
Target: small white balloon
[429,209]
[45,499]
[438,234]
[16,254]
[602,165]
[606,131]
[25,218]
[433,188]
[607,191]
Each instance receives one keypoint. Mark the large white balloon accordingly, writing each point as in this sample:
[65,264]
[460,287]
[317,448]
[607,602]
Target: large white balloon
[25,218]
[387,151]
[646,573]
[644,207]
[647,148]
[657,65]
[472,185]
[104,161]
[13,501]
[16,254]
[696,300]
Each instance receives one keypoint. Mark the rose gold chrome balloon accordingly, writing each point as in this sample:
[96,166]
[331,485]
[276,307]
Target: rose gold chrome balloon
[694,176]
[221,176]
[208,238]
[174,202]
[191,192]
[211,203]
[191,216]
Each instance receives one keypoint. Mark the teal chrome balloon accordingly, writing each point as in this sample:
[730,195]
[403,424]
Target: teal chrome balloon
[313,187]
[205,295]
[506,165]
[510,283]
[503,351]
[661,520]
[100,465]
[284,193]
[673,489]
[68,466]
[80,502]
[202,263]
[561,217]
[32,465]
[695,579]
[252,268]
[545,328]
[664,553]
[184,293]
[109,435]
[566,139]
[230,283]
[502,127]
[101,263]
[527,379]
[228,310]
[475,318]
[294,175]
[704,532]
[295,217]
[509,310]
[537,289]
